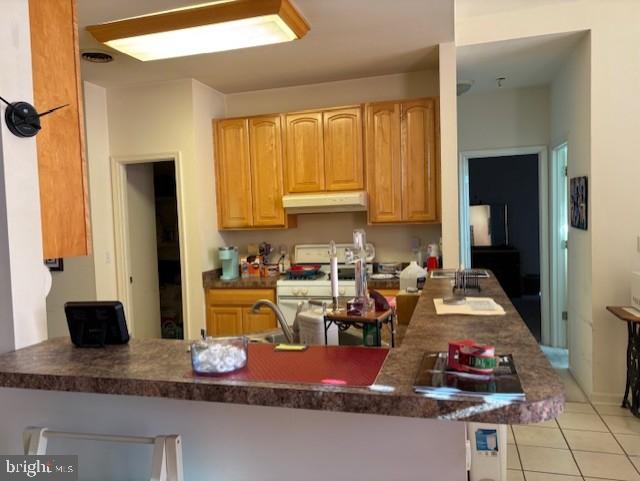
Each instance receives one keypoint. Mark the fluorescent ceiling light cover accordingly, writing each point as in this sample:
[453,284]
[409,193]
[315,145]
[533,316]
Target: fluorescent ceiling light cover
[206,28]
[249,32]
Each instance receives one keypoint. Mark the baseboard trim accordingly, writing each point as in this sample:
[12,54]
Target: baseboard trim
[606,398]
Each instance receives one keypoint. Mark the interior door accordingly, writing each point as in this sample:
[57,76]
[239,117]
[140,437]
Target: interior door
[304,153]
[384,175]
[419,199]
[343,149]
[560,244]
[143,252]
[266,170]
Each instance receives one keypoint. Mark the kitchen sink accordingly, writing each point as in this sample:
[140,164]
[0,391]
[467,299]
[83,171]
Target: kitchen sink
[350,337]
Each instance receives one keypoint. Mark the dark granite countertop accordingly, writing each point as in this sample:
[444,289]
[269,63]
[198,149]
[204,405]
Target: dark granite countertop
[159,368]
[211,280]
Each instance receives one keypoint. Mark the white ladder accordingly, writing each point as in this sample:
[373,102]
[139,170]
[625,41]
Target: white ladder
[166,464]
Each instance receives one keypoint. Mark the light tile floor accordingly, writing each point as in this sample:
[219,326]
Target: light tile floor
[590,442]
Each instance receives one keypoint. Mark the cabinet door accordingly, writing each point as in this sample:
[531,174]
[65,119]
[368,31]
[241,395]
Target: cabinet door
[304,153]
[419,201]
[384,175]
[343,149]
[224,321]
[262,321]
[233,174]
[60,143]
[266,171]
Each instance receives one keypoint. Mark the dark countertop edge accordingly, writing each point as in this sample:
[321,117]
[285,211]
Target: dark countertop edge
[349,400]
[43,365]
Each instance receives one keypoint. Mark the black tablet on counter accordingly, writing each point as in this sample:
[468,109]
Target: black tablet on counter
[96,323]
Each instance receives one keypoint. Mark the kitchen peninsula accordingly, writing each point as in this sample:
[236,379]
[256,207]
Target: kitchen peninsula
[132,374]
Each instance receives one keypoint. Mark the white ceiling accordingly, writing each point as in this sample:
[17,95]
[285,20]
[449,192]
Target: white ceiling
[348,39]
[477,8]
[523,62]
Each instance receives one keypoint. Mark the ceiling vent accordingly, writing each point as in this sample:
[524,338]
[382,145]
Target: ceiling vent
[96,56]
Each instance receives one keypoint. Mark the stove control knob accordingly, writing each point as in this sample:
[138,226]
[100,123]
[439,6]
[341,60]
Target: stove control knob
[342,292]
[296,292]
[305,292]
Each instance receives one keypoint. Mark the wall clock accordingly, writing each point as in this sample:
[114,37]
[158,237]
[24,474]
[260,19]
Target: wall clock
[22,118]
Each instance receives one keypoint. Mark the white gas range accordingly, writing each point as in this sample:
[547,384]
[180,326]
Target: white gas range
[291,292]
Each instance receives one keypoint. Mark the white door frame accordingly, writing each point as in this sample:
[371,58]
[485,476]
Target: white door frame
[121,228]
[543,206]
[558,274]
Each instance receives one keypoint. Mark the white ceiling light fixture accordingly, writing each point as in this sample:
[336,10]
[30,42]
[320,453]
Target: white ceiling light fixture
[204,28]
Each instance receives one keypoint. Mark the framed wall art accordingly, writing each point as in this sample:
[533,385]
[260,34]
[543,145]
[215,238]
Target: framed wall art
[579,202]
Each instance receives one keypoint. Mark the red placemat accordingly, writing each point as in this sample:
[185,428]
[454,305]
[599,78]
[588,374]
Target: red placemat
[335,365]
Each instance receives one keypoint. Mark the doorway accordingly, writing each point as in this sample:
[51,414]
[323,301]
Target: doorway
[504,226]
[149,245]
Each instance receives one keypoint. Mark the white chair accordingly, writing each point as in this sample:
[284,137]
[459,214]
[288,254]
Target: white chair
[166,464]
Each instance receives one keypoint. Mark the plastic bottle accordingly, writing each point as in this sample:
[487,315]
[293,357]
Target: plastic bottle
[412,276]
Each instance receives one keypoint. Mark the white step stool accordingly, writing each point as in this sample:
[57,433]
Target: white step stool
[166,464]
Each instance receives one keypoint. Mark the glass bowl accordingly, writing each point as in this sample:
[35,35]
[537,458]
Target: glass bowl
[219,355]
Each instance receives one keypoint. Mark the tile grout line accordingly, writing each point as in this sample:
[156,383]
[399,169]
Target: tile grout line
[573,456]
[615,437]
[625,454]
[569,448]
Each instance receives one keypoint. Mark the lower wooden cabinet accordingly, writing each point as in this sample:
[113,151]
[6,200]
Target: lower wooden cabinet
[224,321]
[229,312]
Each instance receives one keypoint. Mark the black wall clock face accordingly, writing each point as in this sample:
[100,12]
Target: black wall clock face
[22,119]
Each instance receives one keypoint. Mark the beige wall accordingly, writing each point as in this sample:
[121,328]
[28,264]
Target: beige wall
[449,156]
[94,276]
[393,243]
[570,122]
[76,283]
[23,279]
[99,171]
[163,118]
[614,169]
[503,119]
[331,94]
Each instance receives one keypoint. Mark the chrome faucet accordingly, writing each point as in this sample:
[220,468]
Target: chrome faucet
[279,315]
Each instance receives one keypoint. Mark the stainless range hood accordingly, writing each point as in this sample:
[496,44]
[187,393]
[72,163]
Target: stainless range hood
[325,202]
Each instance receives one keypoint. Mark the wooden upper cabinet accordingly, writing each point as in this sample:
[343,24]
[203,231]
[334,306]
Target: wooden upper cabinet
[384,175]
[304,153]
[402,161]
[266,170]
[60,143]
[233,174]
[343,149]
[419,201]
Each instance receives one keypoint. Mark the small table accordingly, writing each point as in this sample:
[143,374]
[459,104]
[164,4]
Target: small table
[633,358]
[375,318]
